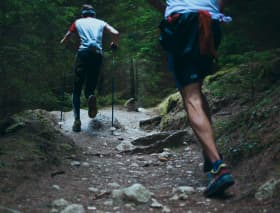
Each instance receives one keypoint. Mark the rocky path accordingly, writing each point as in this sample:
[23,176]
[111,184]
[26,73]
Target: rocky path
[102,179]
[98,179]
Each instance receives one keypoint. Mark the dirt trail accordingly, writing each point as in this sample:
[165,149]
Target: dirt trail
[127,124]
[102,168]
[107,166]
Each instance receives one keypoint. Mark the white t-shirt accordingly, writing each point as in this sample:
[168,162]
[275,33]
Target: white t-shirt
[90,31]
[185,6]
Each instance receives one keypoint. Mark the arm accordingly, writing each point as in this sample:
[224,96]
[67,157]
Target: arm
[66,37]
[114,34]
[69,33]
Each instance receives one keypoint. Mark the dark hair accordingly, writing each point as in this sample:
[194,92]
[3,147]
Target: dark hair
[88,10]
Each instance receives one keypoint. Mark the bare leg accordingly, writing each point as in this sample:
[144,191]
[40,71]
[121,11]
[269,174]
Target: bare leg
[199,120]
[206,107]
[207,110]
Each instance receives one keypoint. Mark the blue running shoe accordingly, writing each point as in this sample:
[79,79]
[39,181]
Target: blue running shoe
[208,166]
[219,181]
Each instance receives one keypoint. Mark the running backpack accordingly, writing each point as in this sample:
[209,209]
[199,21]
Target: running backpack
[179,33]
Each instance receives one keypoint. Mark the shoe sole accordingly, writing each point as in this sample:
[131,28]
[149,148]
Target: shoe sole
[77,127]
[223,184]
[76,130]
[92,109]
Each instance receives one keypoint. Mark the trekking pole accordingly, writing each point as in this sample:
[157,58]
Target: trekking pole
[113,96]
[61,122]
[113,99]
[113,49]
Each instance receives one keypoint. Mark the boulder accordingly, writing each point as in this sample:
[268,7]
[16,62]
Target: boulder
[150,124]
[60,204]
[74,208]
[136,193]
[267,190]
[157,142]
[7,210]
[130,105]
[125,146]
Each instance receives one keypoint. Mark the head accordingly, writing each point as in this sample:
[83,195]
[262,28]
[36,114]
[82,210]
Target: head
[87,10]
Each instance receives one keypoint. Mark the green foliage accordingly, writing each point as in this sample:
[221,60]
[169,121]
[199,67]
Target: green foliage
[257,74]
[106,100]
[257,126]
[33,62]
[253,28]
[248,57]
[138,26]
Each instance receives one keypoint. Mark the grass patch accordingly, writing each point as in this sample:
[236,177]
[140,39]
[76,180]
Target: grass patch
[251,131]
[255,85]
[37,142]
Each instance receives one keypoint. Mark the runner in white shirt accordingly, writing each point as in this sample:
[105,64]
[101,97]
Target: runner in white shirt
[89,58]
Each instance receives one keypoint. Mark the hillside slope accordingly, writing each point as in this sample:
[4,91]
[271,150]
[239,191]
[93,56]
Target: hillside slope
[246,121]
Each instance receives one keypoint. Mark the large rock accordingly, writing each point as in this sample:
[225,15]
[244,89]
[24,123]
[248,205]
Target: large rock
[171,103]
[156,204]
[130,105]
[174,121]
[125,146]
[151,123]
[117,196]
[13,128]
[7,210]
[267,190]
[60,204]
[182,192]
[74,208]
[136,193]
[157,142]
[173,113]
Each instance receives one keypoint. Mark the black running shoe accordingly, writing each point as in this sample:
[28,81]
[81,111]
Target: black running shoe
[77,125]
[92,108]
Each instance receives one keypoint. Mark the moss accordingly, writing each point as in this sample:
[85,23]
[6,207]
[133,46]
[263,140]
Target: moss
[37,143]
[243,82]
[174,121]
[255,128]
[170,103]
[231,60]
[66,147]
[173,113]
[251,131]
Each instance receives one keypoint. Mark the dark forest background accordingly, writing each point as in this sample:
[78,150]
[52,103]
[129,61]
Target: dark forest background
[35,68]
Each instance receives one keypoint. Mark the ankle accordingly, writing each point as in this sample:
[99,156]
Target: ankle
[217,164]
